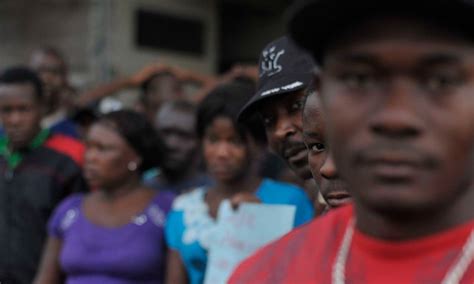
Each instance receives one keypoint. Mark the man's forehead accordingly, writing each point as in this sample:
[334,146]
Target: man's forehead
[168,109]
[164,78]
[312,115]
[172,117]
[280,101]
[386,29]
[312,104]
[41,58]
[17,89]
[401,55]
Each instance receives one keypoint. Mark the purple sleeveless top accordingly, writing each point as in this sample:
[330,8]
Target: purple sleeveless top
[132,253]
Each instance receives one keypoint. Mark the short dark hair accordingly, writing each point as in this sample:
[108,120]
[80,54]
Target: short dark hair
[146,85]
[53,51]
[227,100]
[22,75]
[139,134]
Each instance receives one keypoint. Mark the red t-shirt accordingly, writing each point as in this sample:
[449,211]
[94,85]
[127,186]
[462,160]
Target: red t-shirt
[307,255]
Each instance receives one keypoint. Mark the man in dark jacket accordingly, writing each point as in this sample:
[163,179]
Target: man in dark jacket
[37,170]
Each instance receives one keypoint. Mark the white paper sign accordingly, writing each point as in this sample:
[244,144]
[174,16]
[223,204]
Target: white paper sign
[241,232]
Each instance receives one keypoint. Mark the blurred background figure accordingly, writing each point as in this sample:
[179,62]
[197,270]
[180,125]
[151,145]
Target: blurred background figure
[109,40]
[38,169]
[233,154]
[155,83]
[180,169]
[114,234]
[158,57]
[59,97]
[157,89]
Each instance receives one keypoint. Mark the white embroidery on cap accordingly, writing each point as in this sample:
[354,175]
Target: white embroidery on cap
[292,85]
[271,91]
[284,88]
[269,65]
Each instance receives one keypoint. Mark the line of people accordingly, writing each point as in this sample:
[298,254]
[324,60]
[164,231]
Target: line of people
[378,106]
[124,179]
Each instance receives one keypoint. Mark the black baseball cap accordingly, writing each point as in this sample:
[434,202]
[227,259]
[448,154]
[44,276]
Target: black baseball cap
[312,24]
[283,68]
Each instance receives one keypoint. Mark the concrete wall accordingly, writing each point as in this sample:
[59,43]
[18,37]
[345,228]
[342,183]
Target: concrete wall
[25,25]
[97,36]
[127,57]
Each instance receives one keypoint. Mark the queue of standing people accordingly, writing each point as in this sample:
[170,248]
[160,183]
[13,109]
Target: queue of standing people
[367,108]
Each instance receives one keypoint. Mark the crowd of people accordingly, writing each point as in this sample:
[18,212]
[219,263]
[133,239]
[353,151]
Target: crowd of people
[360,118]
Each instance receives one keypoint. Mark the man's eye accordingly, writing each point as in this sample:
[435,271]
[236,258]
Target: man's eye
[316,147]
[358,80]
[24,109]
[297,106]
[268,121]
[441,82]
[94,146]
[5,110]
[104,148]
[211,138]
[237,141]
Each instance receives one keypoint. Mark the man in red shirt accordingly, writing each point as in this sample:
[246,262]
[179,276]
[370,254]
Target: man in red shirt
[397,92]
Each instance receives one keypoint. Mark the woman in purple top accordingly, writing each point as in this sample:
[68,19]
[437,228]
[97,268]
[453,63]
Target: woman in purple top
[114,234]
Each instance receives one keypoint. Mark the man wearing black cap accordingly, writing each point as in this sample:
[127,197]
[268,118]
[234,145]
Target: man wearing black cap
[284,75]
[397,92]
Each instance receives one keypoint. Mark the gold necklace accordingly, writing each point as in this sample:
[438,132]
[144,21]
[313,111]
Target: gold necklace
[454,275]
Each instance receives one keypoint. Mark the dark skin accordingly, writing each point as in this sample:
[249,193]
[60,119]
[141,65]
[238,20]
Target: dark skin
[119,196]
[406,147]
[173,84]
[52,71]
[162,88]
[229,160]
[332,188]
[20,113]
[176,127]
[282,117]
[283,125]
[106,168]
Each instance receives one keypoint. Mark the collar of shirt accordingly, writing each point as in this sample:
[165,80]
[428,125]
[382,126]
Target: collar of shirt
[14,158]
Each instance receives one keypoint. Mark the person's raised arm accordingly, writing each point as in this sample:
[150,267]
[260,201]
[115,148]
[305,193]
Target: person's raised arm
[210,82]
[117,85]
[204,82]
